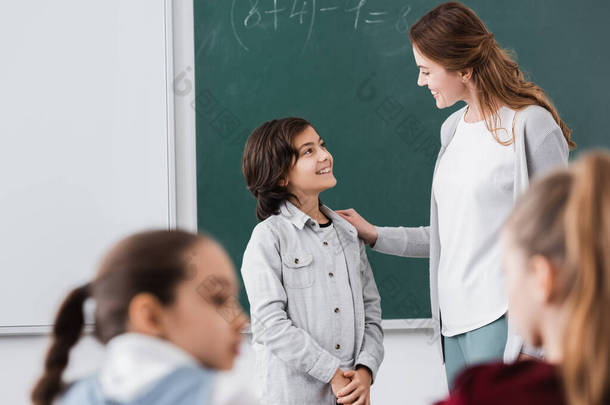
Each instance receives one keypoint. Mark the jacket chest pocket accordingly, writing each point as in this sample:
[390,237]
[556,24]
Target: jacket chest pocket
[297,270]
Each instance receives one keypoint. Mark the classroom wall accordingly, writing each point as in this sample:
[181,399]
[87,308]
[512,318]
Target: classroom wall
[411,373]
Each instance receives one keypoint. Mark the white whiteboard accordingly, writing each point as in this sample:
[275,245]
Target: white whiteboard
[86,154]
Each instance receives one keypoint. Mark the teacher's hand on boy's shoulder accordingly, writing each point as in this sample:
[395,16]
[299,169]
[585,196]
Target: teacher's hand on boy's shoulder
[358,391]
[366,231]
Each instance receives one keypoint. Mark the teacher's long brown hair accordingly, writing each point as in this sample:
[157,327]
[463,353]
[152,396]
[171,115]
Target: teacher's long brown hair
[455,37]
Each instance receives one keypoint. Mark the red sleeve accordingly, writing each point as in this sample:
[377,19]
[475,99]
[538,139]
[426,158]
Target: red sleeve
[499,384]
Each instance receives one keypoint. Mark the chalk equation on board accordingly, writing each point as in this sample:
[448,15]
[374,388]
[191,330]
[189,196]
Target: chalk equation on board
[282,14]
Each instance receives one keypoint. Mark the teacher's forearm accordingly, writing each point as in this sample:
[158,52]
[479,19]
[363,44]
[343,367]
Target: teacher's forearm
[403,241]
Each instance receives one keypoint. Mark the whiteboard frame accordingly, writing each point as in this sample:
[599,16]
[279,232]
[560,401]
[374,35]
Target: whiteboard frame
[184,114]
[36,330]
[386,324]
[170,111]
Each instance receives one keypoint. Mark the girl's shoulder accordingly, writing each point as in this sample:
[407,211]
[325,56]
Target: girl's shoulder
[83,392]
[523,382]
[184,385]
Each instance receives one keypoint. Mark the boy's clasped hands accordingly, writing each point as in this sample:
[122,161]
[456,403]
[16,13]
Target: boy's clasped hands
[352,386]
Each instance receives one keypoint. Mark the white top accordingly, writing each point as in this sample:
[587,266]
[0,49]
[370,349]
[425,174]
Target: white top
[134,362]
[474,189]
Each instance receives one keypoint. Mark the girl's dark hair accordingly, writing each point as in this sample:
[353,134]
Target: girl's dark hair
[268,156]
[154,262]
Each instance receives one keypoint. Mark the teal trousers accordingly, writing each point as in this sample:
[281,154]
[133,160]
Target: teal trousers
[483,345]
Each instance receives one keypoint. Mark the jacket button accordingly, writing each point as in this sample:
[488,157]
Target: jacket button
[325,243]
[296,261]
[337,346]
[336,310]
[331,275]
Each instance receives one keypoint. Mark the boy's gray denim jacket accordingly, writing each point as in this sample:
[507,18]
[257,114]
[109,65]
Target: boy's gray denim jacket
[293,328]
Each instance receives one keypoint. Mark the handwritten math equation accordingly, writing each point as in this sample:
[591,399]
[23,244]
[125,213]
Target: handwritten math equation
[281,13]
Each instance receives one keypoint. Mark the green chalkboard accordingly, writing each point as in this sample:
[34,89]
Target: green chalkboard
[347,67]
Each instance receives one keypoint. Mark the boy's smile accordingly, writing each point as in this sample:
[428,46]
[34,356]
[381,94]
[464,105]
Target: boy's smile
[312,171]
[326,170]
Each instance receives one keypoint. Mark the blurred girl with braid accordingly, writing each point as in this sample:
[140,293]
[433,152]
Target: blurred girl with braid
[557,259]
[165,310]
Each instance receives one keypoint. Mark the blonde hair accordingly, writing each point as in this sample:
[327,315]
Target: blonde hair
[455,37]
[566,218]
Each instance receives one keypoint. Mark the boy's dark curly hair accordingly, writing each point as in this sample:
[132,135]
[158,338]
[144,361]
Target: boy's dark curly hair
[268,156]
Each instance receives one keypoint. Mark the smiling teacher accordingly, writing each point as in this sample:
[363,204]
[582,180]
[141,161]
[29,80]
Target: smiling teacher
[508,132]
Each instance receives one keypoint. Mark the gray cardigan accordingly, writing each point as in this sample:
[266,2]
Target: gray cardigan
[539,147]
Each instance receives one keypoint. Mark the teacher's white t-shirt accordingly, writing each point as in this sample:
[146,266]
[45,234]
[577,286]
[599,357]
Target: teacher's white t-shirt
[473,186]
